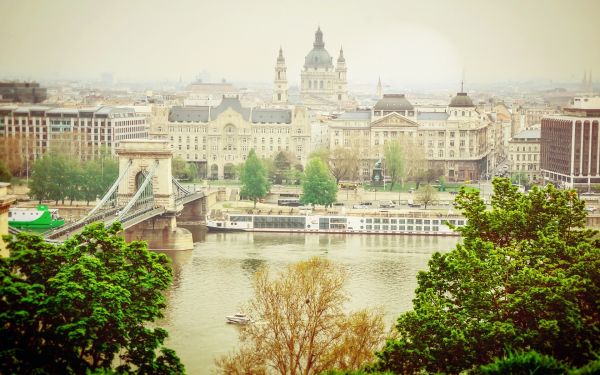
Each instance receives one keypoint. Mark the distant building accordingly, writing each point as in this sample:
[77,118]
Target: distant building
[323,86]
[83,132]
[570,144]
[22,92]
[5,202]
[208,94]
[280,89]
[456,142]
[217,138]
[524,154]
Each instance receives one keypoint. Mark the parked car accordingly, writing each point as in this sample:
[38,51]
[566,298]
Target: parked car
[363,205]
[386,204]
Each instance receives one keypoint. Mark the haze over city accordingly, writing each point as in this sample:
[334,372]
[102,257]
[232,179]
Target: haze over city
[427,43]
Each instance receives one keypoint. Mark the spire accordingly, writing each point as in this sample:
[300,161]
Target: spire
[280,58]
[462,85]
[341,59]
[319,39]
[379,89]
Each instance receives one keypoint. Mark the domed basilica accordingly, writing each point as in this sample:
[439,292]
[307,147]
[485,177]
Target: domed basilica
[322,86]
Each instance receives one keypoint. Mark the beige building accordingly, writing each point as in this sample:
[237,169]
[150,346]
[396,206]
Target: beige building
[323,86]
[524,154]
[5,202]
[455,141]
[218,138]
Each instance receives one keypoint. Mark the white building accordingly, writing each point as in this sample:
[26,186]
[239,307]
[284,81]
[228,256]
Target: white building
[323,86]
[455,142]
[524,154]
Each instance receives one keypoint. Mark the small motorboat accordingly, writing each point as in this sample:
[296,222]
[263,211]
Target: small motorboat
[238,318]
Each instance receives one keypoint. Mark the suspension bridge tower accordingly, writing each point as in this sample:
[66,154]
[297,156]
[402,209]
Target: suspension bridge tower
[147,180]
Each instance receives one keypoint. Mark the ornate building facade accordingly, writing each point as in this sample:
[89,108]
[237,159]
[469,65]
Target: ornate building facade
[455,142]
[217,138]
[321,84]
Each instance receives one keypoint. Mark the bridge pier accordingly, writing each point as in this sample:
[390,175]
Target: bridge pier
[161,233]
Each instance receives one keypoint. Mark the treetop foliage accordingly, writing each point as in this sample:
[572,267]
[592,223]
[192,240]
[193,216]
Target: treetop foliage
[82,305]
[525,277]
[318,186]
[253,177]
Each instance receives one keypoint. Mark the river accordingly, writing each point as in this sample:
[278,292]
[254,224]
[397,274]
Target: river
[214,280]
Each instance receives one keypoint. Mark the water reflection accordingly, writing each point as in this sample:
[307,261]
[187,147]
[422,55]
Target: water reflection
[214,280]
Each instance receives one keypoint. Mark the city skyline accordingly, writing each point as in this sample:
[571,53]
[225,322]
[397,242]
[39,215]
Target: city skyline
[430,43]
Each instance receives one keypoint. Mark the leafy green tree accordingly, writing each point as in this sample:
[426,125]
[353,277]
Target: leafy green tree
[395,162]
[524,278]
[84,305]
[318,185]
[183,170]
[403,159]
[520,178]
[5,175]
[49,178]
[255,184]
[91,180]
[283,165]
[74,177]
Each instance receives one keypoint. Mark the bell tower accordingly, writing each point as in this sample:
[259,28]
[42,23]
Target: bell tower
[280,88]
[340,78]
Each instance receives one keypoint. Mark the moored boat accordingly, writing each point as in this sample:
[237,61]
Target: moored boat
[364,223]
[238,318]
[40,217]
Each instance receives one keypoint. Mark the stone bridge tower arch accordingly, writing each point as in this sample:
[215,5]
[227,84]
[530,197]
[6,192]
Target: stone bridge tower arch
[142,154]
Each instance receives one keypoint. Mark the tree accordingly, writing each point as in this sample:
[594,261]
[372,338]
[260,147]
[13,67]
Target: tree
[403,159]
[303,328]
[49,178]
[84,305]
[5,175]
[343,163]
[318,186]
[524,278]
[283,164]
[520,178]
[180,169]
[426,195]
[255,184]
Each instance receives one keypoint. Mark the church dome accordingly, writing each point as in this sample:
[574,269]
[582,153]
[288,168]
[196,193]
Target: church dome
[461,100]
[393,102]
[318,57]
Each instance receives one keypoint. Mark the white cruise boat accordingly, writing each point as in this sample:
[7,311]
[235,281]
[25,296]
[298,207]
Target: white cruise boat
[238,318]
[424,223]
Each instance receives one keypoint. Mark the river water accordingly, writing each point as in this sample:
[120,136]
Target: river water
[214,280]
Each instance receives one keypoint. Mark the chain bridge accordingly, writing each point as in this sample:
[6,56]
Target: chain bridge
[145,198]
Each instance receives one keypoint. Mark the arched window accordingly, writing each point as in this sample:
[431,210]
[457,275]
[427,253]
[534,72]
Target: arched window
[309,84]
[321,85]
[278,75]
[279,97]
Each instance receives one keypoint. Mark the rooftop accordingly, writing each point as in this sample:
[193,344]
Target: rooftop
[529,134]
[393,102]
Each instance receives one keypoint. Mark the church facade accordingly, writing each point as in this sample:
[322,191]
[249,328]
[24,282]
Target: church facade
[321,83]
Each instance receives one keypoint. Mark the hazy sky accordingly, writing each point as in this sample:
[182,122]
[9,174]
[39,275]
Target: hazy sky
[404,42]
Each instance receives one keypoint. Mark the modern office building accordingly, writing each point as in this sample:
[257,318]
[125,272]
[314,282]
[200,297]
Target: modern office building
[570,144]
[83,132]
